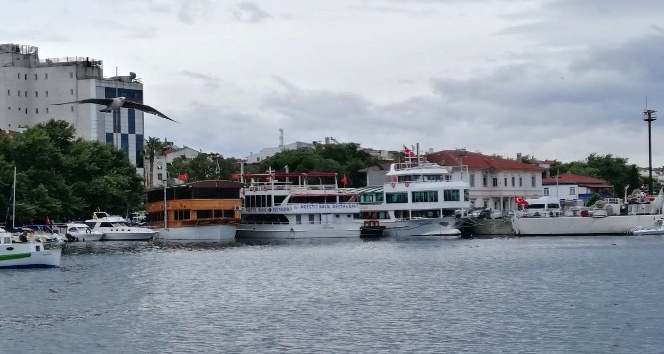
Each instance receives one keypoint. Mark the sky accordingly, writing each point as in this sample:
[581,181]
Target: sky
[552,79]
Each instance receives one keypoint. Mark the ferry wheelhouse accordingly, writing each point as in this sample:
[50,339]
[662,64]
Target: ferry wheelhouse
[297,205]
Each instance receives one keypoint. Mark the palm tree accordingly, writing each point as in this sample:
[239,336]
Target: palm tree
[153,146]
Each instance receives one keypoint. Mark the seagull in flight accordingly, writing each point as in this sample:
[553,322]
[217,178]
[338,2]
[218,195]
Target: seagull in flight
[120,102]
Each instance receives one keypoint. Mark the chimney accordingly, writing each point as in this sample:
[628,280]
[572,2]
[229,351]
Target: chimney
[518,156]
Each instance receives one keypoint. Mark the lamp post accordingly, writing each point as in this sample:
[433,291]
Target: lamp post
[649,116]
[461,152]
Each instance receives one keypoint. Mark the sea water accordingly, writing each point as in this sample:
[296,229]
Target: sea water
[504,295]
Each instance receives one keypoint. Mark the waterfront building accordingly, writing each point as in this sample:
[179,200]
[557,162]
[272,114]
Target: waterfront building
[494,181]
[161,161]
[30,86]
[575,189]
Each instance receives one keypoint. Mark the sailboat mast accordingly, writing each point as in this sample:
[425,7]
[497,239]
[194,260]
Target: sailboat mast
[14,200]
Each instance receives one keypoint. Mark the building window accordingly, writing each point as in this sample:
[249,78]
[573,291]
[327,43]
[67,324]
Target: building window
[36,93]
[572,190]
[26,111]
[546,191]
[26,93]
[46,93]
[45,76]
[9,108]
[36,110]
[19,109]
[533,181]
[46,110]
[494,181]
[513,181]
[9,92]
[71,75]
[485,181]
[19,76]
[505,182]
[71,91]
[72,108]
[19,94]
[35,76]
[26,76]
[472,180]
[520,181]
[159,176]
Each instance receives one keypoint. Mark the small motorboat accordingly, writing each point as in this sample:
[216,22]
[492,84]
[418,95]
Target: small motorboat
[658,230]
[372,228]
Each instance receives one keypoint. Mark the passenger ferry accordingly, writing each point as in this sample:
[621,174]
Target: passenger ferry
[196,211]
[287,205]
[418,199]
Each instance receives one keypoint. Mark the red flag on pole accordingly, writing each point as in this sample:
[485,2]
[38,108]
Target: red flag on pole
[183,177]
[344,181]
[408,152]
[520,201]
[235,176]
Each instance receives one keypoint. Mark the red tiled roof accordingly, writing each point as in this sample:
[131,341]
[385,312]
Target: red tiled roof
[570,178]
[476,160]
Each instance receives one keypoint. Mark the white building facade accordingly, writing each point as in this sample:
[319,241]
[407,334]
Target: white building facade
[30,88]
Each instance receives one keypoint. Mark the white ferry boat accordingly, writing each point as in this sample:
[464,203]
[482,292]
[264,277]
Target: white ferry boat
[283,205]
[611,216]
[420,199]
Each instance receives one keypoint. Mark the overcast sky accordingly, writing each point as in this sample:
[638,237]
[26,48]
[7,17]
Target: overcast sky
[557,79]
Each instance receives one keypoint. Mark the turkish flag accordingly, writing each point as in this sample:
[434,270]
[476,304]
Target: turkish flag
[344,181]
[183,177]
[520,201]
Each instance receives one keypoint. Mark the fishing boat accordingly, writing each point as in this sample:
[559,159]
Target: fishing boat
[418,199]
[293,205]
[196,211]
[28,252]
[116,228]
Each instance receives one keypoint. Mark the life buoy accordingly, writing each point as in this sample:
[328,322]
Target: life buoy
[393,184]
[406,184]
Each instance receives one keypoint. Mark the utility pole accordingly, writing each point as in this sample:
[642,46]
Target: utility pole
[649,116]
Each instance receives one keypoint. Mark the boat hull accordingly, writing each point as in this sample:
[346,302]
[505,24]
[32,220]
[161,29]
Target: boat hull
[577,225]
[276,231]
[197,233]
[439,227]
[129,235]
[26,256]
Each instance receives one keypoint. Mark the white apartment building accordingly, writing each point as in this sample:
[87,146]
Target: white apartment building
[161,162]
[29,88]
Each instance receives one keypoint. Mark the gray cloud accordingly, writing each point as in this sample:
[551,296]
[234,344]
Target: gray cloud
[210,82]
[250,12]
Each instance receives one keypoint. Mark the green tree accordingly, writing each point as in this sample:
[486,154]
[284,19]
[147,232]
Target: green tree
[153,147]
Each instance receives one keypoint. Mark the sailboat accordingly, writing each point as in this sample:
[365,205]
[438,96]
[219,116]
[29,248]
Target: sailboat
[28,252]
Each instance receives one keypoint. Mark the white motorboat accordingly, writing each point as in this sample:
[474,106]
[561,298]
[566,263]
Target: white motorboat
[657,230]
[420,199]
[289,205]
[116,228]
[28,253]
[196,211]
[78,232]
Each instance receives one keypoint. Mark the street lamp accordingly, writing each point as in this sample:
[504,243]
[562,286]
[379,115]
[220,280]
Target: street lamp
[461,152]
[649,116]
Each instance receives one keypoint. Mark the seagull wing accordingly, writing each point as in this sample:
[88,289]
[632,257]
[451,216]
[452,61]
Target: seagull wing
[146,109]
[102,101]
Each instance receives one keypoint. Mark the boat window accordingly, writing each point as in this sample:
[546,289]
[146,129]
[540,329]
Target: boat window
[311,219]
[298,219]
[466,195]
[38,248]
[106,224]
[451,195]
[204,214]
[401,197]
[425,196]
[181,215]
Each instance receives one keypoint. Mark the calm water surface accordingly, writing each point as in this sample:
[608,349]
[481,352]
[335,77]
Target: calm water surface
[505,295]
